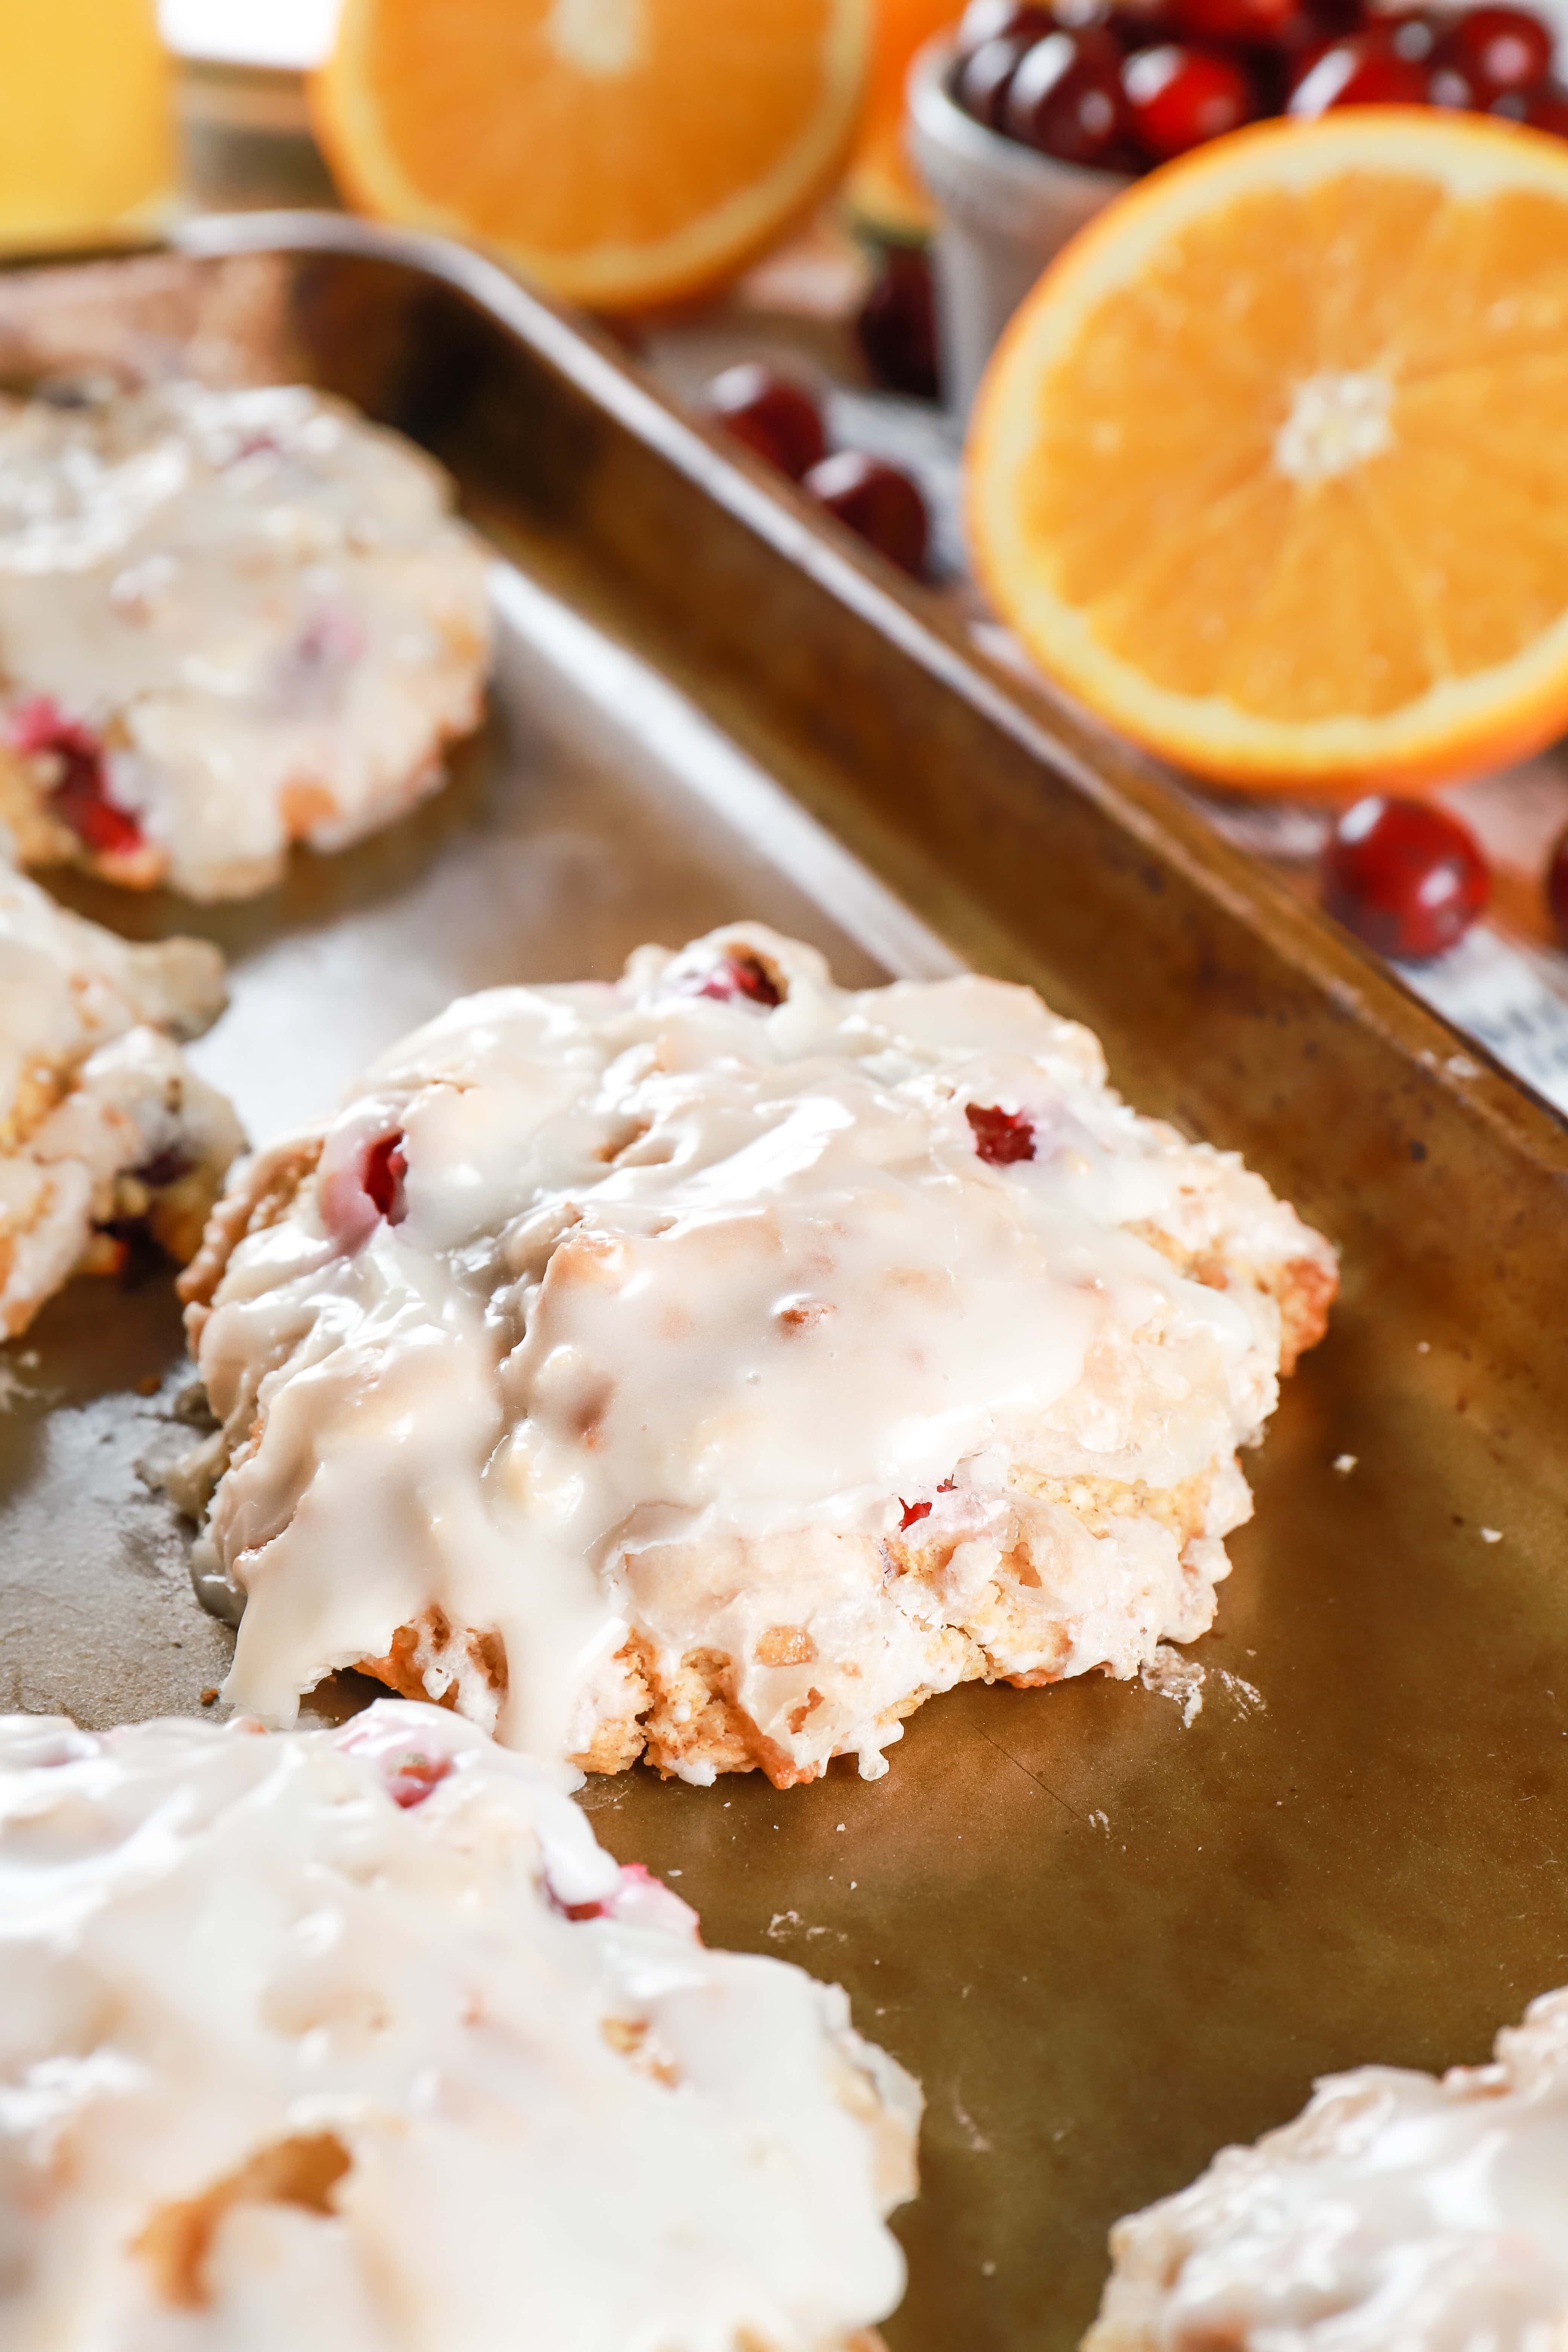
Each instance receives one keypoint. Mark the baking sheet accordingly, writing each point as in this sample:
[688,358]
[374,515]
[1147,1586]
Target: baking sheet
[1107,1931]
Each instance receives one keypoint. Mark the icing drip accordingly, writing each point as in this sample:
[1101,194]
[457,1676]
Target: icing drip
[1396,2209]
[588,1272]
[357,2042]
[229,619]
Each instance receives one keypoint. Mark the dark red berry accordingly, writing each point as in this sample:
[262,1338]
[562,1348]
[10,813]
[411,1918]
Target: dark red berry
[1178,97]
[1000,1136]
[897,325]
[1496,50]
[1138,24]
[1000,20]
[1363,69]
[916,1511]
[1065,96]
[774,415]
[1546,109]
[1404,876]
[1447,87]
[412,1778]
[1234,20]
[738,975]
[385,1166]
[1412,33]
[983,80]
[1557,885]
[78,789]
[571,1910]
[876,501]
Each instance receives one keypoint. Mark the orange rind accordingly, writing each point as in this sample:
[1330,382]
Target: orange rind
[620,153]
[1269,469]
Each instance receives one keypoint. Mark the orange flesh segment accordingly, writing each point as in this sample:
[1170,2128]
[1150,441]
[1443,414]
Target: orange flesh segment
[489,167]
[614,138]
[1153,502]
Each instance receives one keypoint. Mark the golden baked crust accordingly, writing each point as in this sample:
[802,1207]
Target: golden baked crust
[619,1310]
[259,1192]
[687,1721]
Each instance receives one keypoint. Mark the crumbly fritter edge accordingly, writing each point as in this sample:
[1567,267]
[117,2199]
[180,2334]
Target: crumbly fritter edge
[691,1716]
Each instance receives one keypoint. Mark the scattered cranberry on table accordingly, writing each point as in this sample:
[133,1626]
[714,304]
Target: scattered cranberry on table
[778,419]
[774,416]
[1190,71]
[897,326]
[876,501]
[1404,876]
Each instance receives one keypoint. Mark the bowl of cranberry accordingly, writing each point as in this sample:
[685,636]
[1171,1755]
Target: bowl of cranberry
[1030,117]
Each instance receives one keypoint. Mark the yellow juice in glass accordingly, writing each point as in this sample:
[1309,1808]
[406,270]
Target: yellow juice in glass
[86,142]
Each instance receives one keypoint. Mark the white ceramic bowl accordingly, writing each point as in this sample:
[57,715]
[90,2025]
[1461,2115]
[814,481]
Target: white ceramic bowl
[1002,212]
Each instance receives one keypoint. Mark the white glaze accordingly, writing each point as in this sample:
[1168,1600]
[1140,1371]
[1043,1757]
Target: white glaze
[261,598]
[67,986]
[91,1087]
[589,2135]
[1396,2212]
[680,1278]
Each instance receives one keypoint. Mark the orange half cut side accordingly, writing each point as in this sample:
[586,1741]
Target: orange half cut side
[1271,468]
[618,153]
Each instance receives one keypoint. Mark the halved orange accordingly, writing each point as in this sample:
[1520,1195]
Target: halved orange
[1271,468]
[883,190]
[620,152]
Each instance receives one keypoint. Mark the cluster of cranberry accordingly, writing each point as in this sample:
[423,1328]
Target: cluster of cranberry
[778,419]
[1120,85]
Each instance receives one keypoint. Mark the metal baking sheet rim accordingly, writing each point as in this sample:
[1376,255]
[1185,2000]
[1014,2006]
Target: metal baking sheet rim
[1107,1938]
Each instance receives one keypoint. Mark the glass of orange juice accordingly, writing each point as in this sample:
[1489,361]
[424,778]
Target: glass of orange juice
[86,142]
[883,191]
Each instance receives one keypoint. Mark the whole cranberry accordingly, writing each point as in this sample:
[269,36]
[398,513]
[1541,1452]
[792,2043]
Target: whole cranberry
[1139,23]
[1000,20]
[1496,50]
[985,76]
[359,1183]
[1413,33]
[897,325]
[877,501]
[79,783]
[735,976]
[385,1167]
[1545,110]
[1234,20]
[1000,1136]
[1404,877]
[1363,69]
[1447,87]
[774,415]
[1178,97]
[1066,98]
[1557,886]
